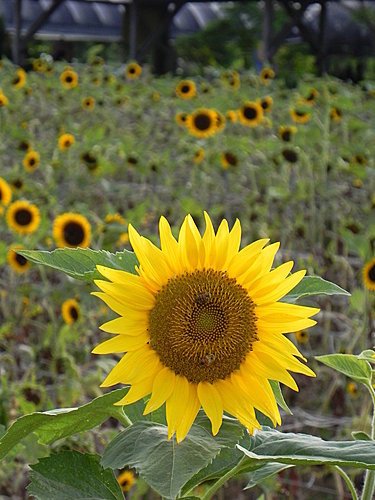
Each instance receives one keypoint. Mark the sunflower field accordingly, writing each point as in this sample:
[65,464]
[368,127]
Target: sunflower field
[96,162]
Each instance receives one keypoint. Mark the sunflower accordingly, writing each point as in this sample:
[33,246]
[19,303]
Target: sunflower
[250,114]
[65,141]
[310,97]
[88,103]
[220,121]
[71,230]
[335,114]
[19,80]
[133,71]
[302,337]
[368,275]
[359,159]
[126,480]
[300,116]
[16,261]
[199,156]
[202,325]
[5,193]
[286,133]
[69,79]
[186,89]
[23,217]
[70,311]
[352,389]
[228,160]
[266,103]
[31,160]
[266,75]
[90,161]
[290,155]
[231,115]
[181,118]
[202,122]
[3,99]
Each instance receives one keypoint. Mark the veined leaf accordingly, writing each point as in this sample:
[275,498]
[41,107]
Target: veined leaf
[314,285]
[348,364]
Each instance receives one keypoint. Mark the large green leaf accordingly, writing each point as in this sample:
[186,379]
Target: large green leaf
[313,285]
[348,364]
[279,396]
[301,449]
[52,425]
[70,474]
[80,263]
[165,465]
[264,472]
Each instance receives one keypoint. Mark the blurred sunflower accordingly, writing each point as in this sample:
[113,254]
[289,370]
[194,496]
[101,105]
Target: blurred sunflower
[23,217]
[300,116]
[286,132]
[186,89]
[202,325]
[228,160]
[65,141]
[250,114]
[31,160]
[69,79]
[290,155]
[202,122]
[4,101]
[19,80]
[133,71]
[266,75]
[88,103]
[220,121]
[359,159]
[352,389]
[71,230]
[266,103]
[335,114]
[115,217]
[126,480]
[181,118]
[16,261]
[70,311]
[368,274]
[90,161]
[302,337]
[123,239]
[199,156]
[5,193]
[311,97]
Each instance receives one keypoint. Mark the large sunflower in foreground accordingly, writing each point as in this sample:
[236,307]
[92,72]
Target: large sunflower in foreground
[201,325]
[71,230]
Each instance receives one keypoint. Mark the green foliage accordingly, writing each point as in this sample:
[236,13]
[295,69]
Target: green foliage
[314,285]
[350,365]
[70,474]
[80,263]
[52,425]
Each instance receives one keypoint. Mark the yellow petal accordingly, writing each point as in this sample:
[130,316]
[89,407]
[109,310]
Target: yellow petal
[169,245]
[233,404]
[191,409]
[118,276]
[175,404]
[112,303]
[265,365]
[189,243]
[130,365]
[136,392]
[208,240]
[245,258]
[286,286]
[133,324]
[270,280]
[221,243]
[289,362]
[135,296]
[283,309]
[121,343]
[268,326]
[162,388]
[211,403]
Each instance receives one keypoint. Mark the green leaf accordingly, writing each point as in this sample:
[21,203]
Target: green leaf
[348,364]
[70,474]
[361,436]
[367,355]
[52,425]
[279,396]
[301,449]
[80,263]
[264,472]
[314,285]
[165,465]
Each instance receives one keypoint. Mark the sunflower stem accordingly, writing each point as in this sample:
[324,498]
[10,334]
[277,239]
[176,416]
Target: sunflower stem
[220,482]
[369,485]
[347,480]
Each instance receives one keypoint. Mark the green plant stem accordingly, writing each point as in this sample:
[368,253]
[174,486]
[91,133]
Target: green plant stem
[347,480]
[369,485]
[220,482]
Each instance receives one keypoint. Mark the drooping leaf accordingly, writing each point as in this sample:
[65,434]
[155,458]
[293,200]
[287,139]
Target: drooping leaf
[302,449]
[52,425]
[367,355]
[80,263]
[165,465]
[314,285]
[348,364]
[279,396]
[361,436]
[70,474]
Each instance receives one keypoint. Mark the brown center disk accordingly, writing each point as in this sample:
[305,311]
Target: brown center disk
[202,325]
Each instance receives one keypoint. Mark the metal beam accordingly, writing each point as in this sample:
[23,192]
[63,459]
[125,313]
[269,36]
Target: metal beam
[39,21]
[133,25]
[267,29]
[16,41]
[322,54]
[296,16]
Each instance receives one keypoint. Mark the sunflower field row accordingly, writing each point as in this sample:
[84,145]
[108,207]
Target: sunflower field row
[86,149]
